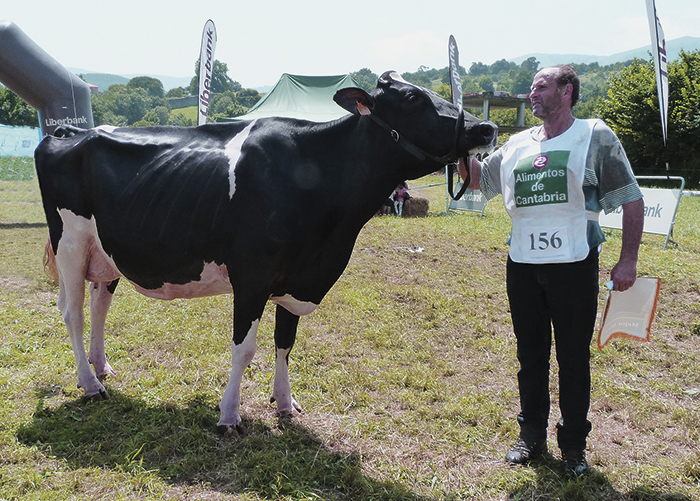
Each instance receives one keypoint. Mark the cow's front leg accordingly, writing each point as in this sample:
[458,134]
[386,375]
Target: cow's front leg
[285,335]
[245,327]
[100,300]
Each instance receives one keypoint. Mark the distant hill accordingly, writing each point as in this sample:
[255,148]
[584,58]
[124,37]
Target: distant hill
[104,80]
[673,48]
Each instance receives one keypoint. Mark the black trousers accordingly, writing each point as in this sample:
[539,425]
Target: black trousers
[563,296]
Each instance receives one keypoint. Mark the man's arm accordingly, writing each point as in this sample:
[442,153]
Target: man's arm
[624,274]
[474,172]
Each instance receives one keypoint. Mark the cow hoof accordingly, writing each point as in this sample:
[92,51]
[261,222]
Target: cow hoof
[109,372]
[232,431]
[285,418]
[99,396]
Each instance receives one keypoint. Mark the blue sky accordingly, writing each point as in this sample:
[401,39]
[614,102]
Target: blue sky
[261,40]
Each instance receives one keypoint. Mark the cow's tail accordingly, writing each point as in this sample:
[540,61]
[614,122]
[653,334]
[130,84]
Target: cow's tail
[50,261]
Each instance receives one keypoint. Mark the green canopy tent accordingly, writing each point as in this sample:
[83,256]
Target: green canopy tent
[303,97]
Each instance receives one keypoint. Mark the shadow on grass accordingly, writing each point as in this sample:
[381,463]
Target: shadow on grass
[181,446]
[551,483]
[21,226]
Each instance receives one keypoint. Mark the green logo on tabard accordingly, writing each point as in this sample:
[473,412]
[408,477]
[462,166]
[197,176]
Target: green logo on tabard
[542,179]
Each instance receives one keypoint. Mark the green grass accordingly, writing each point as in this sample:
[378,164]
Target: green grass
[191,112]
[406,371]
[16,168]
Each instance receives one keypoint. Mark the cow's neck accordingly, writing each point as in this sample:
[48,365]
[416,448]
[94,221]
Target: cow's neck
[373,164]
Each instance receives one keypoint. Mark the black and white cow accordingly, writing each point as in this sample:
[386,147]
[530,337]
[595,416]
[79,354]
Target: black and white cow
[267,209]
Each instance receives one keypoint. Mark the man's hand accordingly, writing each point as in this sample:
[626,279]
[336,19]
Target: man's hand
[624,274]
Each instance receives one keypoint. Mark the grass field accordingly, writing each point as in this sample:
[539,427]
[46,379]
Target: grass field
[190,112]
[406,372]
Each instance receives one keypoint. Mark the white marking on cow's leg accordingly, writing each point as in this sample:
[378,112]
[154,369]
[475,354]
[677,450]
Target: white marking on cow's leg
[71,300]
[282,389]
[100,301]
[233,152]
[241,356]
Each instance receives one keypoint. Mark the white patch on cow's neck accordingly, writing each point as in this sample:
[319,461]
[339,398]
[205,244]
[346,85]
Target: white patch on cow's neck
[233,152]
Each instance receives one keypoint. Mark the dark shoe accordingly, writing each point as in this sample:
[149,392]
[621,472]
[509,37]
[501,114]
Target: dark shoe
[523,451]
[574,462]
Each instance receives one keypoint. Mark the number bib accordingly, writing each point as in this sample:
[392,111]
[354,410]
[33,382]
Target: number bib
[545,244]
[543,194]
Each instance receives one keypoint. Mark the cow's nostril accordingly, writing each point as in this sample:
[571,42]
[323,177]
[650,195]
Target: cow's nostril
[487,130]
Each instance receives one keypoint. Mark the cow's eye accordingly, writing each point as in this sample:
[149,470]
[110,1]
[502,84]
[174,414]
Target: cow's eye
[414,98]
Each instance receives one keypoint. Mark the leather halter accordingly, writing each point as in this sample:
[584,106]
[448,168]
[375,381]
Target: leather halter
[417,152]
[450,159]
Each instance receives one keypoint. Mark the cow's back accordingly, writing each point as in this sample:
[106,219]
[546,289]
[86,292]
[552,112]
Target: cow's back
[159,196]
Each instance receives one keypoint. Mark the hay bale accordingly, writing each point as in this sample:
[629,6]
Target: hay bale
[419,207]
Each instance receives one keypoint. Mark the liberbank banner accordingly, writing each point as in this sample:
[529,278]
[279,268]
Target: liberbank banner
[206,66]
[660,207]
[60,97]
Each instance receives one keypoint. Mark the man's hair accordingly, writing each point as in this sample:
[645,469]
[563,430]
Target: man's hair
[566,74]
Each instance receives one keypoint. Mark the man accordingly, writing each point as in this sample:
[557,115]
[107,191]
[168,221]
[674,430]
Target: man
[555,179]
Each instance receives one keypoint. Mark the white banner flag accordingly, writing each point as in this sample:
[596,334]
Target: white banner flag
[658,51]
[455,78]
[206,65]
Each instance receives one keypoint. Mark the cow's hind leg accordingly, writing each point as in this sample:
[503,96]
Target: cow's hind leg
[71,300]
[101,294]
[285,335]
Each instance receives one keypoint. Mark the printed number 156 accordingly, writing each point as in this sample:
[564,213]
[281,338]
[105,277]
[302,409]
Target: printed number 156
[545,241]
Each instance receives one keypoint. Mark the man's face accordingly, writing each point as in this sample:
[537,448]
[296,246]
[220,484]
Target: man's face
[545,96]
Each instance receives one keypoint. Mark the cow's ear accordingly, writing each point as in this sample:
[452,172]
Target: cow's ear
[354,100]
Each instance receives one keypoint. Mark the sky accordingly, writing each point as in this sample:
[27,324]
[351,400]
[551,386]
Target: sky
[259,40]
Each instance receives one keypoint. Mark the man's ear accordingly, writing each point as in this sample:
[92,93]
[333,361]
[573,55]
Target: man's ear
[569,90]
[354,100]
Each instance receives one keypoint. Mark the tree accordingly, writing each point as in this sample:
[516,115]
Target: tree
[522,81]
[160,115]
[531,64]
[632,111]
[176,92]
[220,81]
[500,66]
[419,79]
[247,97]
[225,105]
[152,86]
[478,69]
[123,105]
[179,119]
[15,111]
[486,83]
[366,79]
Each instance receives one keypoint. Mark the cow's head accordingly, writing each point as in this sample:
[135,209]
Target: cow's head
[420,120]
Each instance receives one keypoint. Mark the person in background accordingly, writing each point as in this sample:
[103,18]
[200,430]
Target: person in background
[401,198]
[555,179]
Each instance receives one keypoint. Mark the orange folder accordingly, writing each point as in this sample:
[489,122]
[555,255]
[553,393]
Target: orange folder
[629,314]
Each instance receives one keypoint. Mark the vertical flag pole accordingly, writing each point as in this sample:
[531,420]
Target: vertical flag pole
[658,49]
[456,91]
[206,65]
